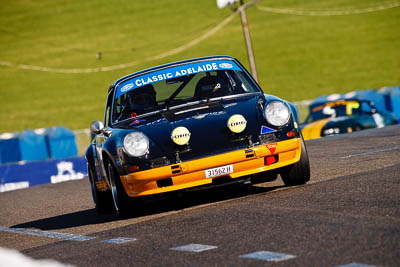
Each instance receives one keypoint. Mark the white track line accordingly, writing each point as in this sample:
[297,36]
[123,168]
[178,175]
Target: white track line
[133,63]
[63,236]
[371,152]
[268,256]
[325,13]
[125,65]
[194,248]
[201,38]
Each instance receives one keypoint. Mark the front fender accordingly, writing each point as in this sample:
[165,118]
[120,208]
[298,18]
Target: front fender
[89,156]
[109,151]
[293,108]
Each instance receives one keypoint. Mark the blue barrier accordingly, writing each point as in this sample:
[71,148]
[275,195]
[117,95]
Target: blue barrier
[9,148]
[41,144]
[26,174]
[61,143]
[392,99]
[32,146]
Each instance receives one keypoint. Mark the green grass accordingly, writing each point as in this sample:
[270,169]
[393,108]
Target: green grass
[298,57]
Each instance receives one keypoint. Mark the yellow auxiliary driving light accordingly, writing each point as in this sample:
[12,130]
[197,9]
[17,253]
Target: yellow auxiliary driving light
[180,135]
[237,123]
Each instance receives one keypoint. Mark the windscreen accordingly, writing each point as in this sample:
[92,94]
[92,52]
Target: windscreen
[189,83]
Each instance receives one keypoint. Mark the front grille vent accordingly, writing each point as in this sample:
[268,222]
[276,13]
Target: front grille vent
[175,169]
[249,153]
[159,162]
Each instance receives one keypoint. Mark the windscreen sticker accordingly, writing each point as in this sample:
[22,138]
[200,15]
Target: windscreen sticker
[174,72]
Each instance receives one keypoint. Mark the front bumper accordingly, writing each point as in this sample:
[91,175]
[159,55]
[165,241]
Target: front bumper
[192,173]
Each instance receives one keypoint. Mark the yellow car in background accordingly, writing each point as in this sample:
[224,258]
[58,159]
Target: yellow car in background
[343,116]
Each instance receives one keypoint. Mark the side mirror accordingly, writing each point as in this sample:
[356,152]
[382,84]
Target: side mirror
[96,127]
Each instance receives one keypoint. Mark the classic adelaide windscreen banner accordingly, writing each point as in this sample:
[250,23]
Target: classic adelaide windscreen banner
[174,72]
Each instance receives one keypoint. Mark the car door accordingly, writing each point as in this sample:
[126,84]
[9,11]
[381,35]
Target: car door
[100,139]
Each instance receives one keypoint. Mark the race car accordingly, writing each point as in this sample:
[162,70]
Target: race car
[190,124]
[344,116]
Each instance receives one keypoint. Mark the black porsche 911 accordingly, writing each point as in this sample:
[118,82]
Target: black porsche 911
[189,124]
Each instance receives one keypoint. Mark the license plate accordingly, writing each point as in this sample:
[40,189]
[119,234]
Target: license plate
[219,171]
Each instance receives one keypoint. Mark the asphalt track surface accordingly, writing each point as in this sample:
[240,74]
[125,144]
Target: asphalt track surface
[348,213]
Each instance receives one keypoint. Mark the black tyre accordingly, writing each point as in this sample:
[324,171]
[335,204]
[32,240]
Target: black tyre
[120,199]
[298,173]
[102,199]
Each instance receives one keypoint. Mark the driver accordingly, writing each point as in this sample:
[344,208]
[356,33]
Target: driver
[141,98]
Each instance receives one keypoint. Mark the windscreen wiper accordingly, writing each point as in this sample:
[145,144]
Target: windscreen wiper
[177,91]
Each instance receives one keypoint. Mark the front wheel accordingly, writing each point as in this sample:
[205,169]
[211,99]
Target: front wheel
[102,199]
[120,199]
[298,173]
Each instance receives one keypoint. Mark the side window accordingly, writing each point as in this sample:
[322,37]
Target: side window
[107,116]
[107,113]
[243,85]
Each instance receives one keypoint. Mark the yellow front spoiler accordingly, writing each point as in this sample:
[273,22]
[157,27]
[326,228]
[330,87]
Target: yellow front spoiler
[192,173]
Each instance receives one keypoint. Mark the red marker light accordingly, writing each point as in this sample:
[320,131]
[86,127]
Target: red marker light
[133,168]
[290,134]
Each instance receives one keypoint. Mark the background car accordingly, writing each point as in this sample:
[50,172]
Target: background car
[343,116]
[194,123]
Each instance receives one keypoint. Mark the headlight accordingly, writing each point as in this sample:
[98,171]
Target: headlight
[136,144]
[277,113]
